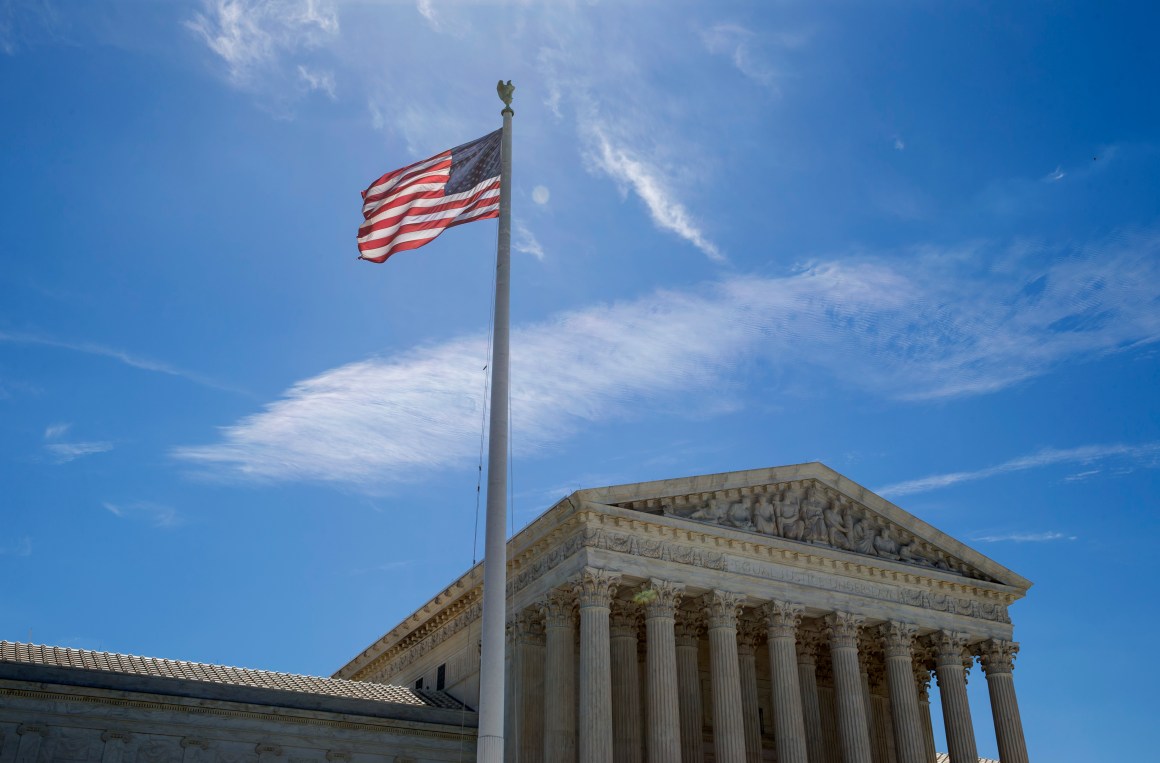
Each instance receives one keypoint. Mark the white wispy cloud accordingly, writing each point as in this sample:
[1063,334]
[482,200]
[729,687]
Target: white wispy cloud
[155,514]
[317,79]
[251,36]
[631,171]
[923,329]
[1041,537]
[63,452]
[1056,174]
[525,241]
[133,361]
[899,145]
[1146,453]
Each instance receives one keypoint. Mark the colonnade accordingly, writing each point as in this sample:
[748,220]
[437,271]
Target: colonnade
[590,705]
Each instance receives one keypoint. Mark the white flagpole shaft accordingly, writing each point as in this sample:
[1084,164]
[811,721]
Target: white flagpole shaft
[490,747]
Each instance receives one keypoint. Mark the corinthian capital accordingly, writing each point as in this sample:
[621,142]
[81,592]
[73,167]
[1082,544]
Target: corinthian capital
[689,626]
[948,647]
[782,618]
[809,641]
[722,608]
[998,656]
[749,633]
[843,629]
[596,586]
[624,619]
[659,598]
[559,609]
[898,639]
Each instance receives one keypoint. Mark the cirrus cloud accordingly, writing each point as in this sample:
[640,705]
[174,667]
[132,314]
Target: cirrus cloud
[941,325]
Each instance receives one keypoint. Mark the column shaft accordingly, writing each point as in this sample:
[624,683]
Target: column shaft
[998,658]
[811,709]
[664,711]
[559,679]
[692,711]
[625,687]
[728,728]
[849,701]
[908,739]
[789,726]
[595,712]
[829,713]
[750,703]
[952,688]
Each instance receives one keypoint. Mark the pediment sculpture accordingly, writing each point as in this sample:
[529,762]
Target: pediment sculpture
[810,512]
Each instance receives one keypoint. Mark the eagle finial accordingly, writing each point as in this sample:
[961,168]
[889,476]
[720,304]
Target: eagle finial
[505,90]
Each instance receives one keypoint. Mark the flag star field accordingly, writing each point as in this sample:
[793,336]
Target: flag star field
[917,242]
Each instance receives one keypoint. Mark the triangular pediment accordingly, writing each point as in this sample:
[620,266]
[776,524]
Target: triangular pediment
[813,505]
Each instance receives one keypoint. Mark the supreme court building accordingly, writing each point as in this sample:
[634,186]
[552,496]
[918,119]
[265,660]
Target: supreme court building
[783,614]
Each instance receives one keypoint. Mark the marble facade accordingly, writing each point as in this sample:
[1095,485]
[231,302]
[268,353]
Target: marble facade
[780,614]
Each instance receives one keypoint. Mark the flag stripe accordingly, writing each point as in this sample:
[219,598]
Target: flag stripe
[428,209]
[415,239]
[408,207]
[392,179]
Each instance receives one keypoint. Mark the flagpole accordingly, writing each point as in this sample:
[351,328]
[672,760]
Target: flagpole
[490,745]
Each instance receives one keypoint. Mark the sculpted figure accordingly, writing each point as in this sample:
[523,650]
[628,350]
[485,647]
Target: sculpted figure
[789,524]
[862,536]
[885,544]
[739,515]
[907,552]
[713,512]
[763,515]
[837,525]
[813,515]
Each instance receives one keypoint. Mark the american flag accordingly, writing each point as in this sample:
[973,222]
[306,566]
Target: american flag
[407,208]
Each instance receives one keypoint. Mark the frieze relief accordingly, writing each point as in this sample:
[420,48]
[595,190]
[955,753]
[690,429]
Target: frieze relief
[914,597]
[809,512]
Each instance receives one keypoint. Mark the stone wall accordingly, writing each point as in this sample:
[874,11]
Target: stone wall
[51,715]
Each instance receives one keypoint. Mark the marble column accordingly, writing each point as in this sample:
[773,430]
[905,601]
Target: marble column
[594,731]
[829,714]
[642,678]
[689,627]
[998,660]
[625,683]
[660,599]
[728,728]
[952,690]
[922,689]
[748,632]
[865,658]
[524,729]
[781,621]
[849,701]
[808,643]
[898,642]
[559,612]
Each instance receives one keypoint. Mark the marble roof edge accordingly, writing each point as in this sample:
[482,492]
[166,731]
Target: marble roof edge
[708,483]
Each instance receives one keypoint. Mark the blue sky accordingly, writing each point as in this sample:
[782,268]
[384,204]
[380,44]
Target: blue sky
[919,243]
